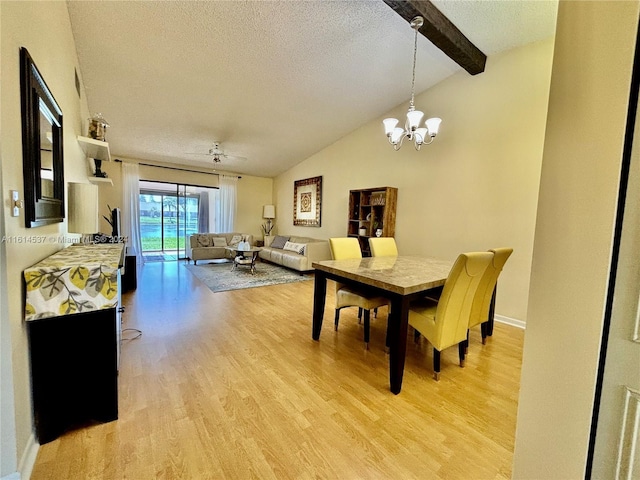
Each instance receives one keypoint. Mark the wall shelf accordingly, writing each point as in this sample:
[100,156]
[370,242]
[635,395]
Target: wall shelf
[370,209]
[100,180]
[95,148]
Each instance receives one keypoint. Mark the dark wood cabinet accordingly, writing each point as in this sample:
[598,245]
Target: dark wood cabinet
[372,212]
[74,371]
[74,368]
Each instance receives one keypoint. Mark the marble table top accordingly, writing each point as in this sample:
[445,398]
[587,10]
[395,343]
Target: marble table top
[404,274]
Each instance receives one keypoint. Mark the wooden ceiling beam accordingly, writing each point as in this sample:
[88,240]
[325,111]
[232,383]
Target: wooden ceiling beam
[442,33]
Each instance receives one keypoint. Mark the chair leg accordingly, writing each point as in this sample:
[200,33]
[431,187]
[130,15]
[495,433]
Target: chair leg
[436,364]
[416,336]
[337,319]
[484,328]
[461,348]
[359,315]
[466,343]
[492,312]
[375,312]
[367,324]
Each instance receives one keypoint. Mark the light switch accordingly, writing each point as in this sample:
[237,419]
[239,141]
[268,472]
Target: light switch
[16,203]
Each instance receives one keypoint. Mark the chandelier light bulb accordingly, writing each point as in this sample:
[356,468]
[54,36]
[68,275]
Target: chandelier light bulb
[389,125]
[413,119]
[433,124]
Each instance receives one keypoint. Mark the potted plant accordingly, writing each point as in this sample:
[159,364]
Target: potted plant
[377,227]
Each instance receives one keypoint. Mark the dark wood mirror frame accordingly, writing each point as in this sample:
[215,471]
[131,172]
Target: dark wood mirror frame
[41,208]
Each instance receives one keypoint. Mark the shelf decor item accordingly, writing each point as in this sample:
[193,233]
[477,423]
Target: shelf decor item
[97,127]
[307,202]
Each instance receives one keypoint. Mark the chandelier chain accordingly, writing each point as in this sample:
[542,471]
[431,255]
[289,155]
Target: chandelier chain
[413,78]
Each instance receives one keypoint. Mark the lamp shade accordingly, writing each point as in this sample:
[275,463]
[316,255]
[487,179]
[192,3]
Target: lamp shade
[83,208]
[269,211]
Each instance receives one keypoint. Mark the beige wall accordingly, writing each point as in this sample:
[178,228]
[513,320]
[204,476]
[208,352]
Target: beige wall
[253,192]
[44,28]
[576,211]
[475,188]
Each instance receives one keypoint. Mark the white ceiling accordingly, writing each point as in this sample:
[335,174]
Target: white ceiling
[273,81]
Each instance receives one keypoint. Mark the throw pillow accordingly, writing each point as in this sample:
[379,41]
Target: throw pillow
[295,247]
[235,240]
[279,242]
[219,242]
[204,240]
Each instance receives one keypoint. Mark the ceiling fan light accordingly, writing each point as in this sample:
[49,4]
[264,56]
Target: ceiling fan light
[389,125]
[413,119]
[433,124]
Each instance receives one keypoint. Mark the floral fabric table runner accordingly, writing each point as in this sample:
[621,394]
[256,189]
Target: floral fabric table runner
[80,278]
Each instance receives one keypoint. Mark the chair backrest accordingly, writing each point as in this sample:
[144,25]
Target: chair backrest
[456,300]
[383,247]
[344,248]
[482,302]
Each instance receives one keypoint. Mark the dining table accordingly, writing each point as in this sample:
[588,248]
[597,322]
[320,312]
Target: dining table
[401,279]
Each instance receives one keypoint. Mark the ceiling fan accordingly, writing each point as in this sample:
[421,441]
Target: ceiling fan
[218,155]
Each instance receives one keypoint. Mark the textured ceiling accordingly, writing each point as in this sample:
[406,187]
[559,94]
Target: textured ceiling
[273,81]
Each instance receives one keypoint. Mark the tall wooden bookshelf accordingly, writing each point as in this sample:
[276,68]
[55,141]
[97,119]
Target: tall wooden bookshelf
[371,209]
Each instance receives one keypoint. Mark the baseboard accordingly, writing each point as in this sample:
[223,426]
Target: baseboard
[28,459]
[510,321]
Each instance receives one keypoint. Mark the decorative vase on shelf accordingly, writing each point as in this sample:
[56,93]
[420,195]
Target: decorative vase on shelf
[362,231]
[379,232]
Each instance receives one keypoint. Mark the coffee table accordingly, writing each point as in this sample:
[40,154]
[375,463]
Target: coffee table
[246,257]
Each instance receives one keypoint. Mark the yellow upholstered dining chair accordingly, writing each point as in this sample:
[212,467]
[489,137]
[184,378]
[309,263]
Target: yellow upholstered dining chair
[445,323]
[486,291]
[383,247]
[346,296]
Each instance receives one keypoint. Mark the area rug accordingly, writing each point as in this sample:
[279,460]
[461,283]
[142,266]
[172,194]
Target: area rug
[219,277]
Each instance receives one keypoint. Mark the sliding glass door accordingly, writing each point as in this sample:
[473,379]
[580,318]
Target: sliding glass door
[169,214]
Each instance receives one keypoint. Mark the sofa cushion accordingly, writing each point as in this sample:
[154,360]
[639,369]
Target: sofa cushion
[219,242]
[204,240]
[279,241]
[295,247]
[235,240]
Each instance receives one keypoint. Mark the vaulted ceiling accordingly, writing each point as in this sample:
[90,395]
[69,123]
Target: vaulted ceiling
[272,81]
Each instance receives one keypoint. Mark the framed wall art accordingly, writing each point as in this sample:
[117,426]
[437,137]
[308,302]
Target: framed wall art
[307,202]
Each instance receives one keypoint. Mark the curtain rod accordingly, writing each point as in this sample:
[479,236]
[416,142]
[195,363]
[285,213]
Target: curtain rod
[175,168]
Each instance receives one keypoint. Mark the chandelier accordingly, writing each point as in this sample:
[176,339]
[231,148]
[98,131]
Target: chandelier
[419,136]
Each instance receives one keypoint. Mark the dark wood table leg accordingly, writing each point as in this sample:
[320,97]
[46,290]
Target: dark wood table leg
[398,339]
[319,297]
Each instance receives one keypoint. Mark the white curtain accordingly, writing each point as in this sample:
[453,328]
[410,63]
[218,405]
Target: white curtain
[227,204]
[131,209]
[203,213]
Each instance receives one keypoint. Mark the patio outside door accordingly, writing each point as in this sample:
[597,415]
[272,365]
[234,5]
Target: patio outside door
[168,216]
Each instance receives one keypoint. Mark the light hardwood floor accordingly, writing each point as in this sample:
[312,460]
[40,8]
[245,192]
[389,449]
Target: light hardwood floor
[231,386]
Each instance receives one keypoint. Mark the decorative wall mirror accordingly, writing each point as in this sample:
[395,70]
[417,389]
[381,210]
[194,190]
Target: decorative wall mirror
[42,158]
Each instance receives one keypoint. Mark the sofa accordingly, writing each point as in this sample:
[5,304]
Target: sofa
[294,252]
[211,246]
